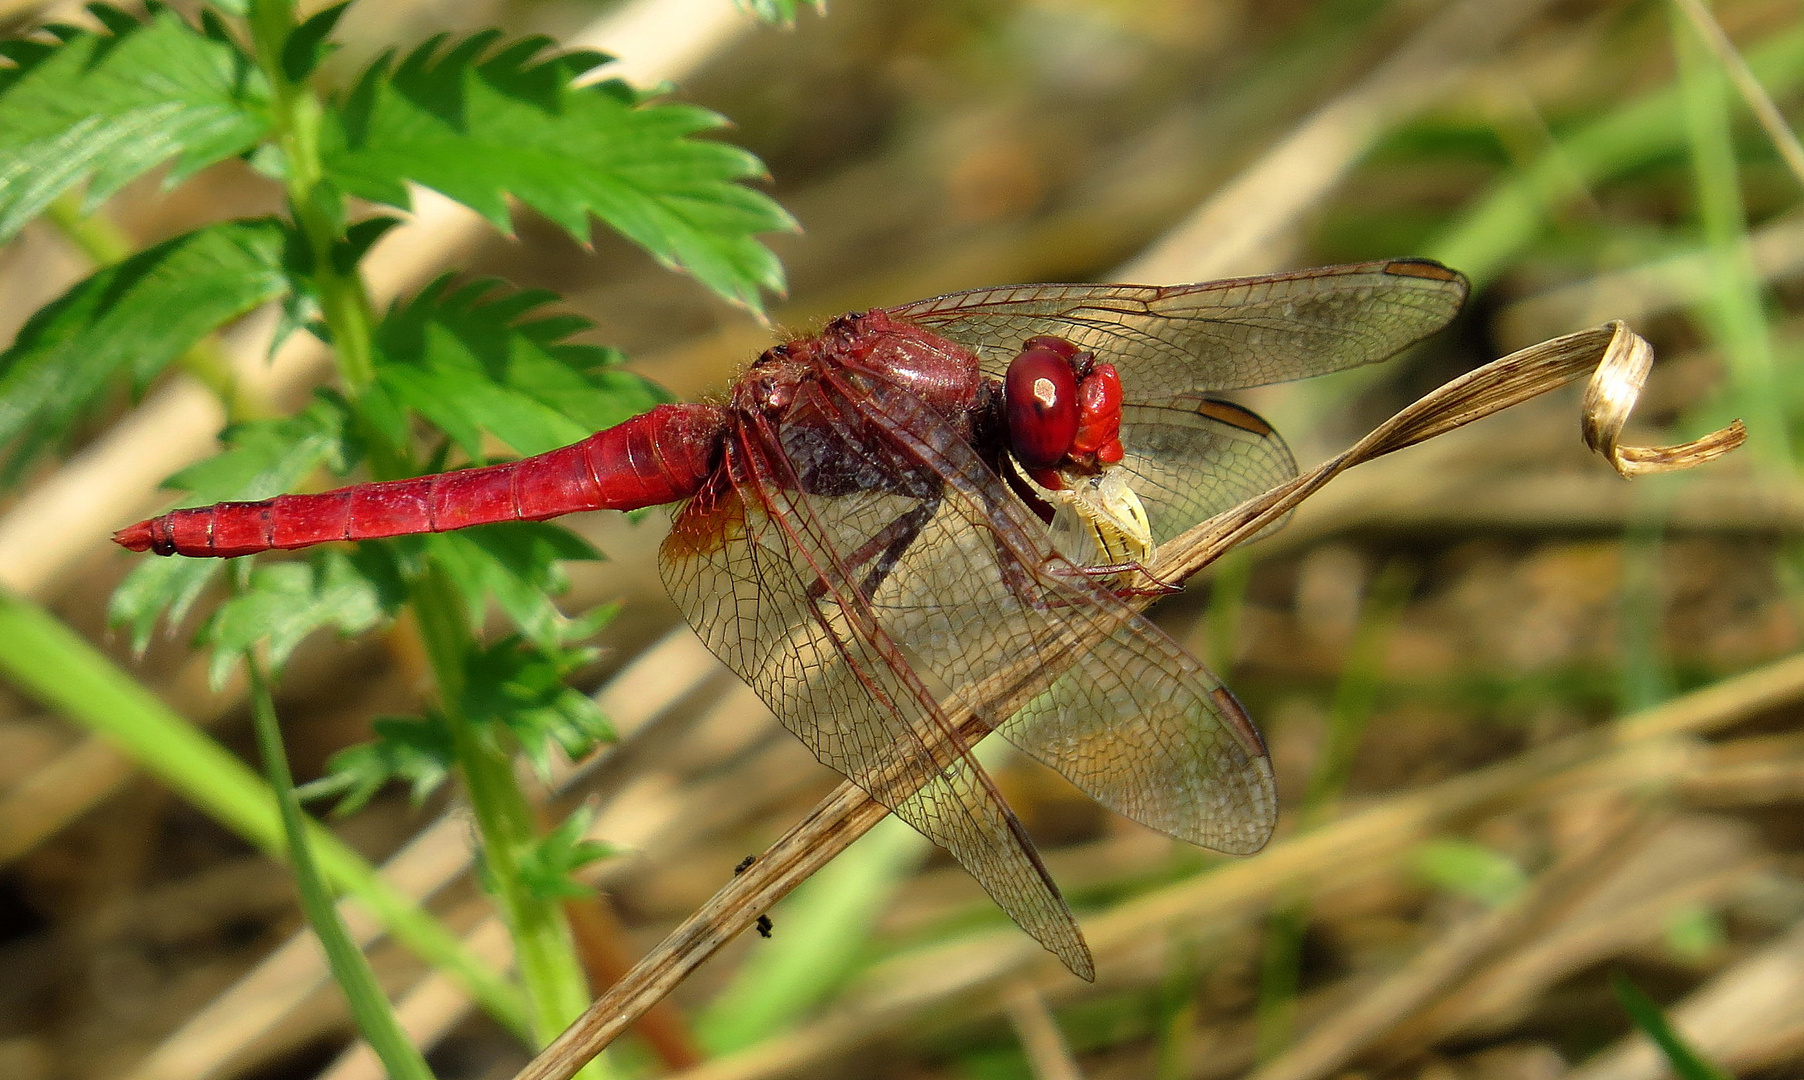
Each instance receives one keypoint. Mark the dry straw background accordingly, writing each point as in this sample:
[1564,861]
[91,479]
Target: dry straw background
[1535,725]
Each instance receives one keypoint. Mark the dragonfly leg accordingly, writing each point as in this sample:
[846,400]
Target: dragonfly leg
[884,550]
[1155,585]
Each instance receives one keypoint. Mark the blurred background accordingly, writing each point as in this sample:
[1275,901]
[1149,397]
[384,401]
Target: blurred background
[1534,726]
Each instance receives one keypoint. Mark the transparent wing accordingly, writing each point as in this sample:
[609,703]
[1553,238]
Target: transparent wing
[760,571]
[1099,693]
[1194,459]
[1176,341]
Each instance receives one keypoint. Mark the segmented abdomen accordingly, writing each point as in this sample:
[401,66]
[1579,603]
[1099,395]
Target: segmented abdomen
[656,457]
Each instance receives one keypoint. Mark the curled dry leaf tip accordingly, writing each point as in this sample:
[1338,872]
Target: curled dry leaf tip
[1611,395]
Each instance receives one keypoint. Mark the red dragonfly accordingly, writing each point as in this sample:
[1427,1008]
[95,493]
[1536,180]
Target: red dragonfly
[923,498]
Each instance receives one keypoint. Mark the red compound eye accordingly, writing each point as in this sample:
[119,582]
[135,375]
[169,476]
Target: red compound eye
[1099,415]
[1056,345]
[1040,396]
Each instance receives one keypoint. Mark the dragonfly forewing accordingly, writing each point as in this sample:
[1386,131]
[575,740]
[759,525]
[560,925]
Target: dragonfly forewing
[1174,341]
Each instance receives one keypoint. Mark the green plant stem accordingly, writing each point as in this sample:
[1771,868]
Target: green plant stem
[1515,210]
[823,932]
[1227,601]
[543,950]
[1735,312]
[1354,700]
[556,989]
[52,663]
[369,1006]
[344,301]
[1646,676]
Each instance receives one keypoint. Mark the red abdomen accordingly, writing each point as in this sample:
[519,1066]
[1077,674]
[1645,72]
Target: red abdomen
[657,457]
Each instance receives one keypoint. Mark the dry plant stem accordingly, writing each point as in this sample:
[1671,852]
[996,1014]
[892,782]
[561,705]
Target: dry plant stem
[1240,230]
[600,944]
[1500,994]
[1370,841]
[1784,139]
[1048,1054]
[1338,1039]
[1619,360]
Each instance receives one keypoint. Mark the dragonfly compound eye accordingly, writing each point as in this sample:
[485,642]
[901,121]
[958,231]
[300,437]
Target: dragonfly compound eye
[1040,396]
[1099,416]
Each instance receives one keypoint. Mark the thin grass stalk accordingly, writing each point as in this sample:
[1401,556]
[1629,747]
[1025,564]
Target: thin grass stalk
[370,1009]
[1758,101]
[1355,698]
[1686,1062]
[1735,313]
[49,661]
[1507,218]
[544,951]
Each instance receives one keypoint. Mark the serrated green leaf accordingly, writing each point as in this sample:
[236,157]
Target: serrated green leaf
[265,457]
[548,868]
[518,688]
[284,602]
[416,750]
[107,107]
[131,319]
[268,457]
[480,359]
[307,46]
[519,564]
[358,240]
[481,127]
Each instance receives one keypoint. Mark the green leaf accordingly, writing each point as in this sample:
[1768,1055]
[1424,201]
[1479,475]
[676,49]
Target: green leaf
[513,687]
[1694,932]
[482,359]
[779,12]
[548,869]
[518,563]
[130,319]
[307,46]
[284,602]
[414,749]
[266,457]
[109,106]
[1470,869]
[479,128]
[1685,1061]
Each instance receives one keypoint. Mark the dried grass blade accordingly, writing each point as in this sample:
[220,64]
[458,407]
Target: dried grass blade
[1618,357]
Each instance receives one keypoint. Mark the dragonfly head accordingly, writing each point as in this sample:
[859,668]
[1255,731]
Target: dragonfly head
[1063,411]
[1063,416]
